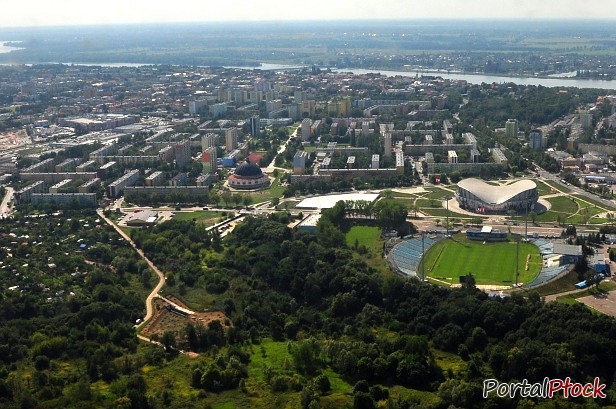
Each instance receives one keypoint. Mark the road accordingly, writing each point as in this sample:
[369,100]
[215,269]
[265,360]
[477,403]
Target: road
[161,277]
[4,207]
[610,204]
[270,168]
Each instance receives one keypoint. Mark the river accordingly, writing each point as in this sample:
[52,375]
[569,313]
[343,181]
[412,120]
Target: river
[481,78]
[557,80]
[5,48]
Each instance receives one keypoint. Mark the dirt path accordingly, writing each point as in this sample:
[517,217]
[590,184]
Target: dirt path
[161,276]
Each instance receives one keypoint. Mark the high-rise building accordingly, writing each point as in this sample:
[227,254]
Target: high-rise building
[511,128]
[365,128]
[231,139]
[375,161]
[273,105]
[299,162]
[210,160]
[536,139]
[299,96]
[306,125]
[195,106]
[309,107]
[585,119]
[387,144]
[208,141]
[255,124]
[181,152]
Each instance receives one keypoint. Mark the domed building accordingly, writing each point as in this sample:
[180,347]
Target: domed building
[248,176]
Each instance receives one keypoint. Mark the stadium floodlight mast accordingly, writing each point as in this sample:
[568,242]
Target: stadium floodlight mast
[517,263]
[423,258]
[447,198]
[526,223]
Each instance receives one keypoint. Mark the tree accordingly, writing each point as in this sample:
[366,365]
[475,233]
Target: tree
[168,340]
[469,282]
[227,197]
[247,200]
[391,215]
[593,278]
[215,198]
[275,201]
[237,198]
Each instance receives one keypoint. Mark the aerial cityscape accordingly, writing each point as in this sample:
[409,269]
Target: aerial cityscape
[398,212]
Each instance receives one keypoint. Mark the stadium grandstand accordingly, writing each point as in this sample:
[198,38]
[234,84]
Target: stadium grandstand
[405,256]
[486,233]
[479,197]
[557,259]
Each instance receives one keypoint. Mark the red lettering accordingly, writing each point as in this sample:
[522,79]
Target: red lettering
[598,389]
[587,390]
[567,387]
[576,390]
[554,386]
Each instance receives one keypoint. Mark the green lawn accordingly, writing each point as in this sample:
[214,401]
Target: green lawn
[437,193]
[543,188]
[592,203]
[275,190]
[564,283]
[490,263]
[558,186]
[563,204]
[369,236]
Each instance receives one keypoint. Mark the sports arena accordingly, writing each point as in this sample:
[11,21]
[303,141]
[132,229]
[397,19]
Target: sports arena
[479,197]
[492,263]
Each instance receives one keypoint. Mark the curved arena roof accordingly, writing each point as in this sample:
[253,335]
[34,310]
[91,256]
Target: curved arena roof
[495,194]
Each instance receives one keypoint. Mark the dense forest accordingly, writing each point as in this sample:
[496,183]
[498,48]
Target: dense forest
[66,308]
[376,330]
[337,318]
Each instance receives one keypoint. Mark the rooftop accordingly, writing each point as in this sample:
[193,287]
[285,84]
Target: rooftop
[329,201]
[495,194]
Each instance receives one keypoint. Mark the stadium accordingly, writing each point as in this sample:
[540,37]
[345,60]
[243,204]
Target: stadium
[477,196]
[493,263]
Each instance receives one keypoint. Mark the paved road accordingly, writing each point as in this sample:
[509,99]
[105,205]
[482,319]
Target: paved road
[610,204]
[161,277]
[270,168]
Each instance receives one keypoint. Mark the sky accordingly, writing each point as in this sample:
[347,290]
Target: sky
[80,12]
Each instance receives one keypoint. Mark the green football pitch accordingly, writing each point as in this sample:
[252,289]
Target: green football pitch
[490,263]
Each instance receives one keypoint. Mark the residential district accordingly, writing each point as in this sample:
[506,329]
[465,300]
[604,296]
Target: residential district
[497,187]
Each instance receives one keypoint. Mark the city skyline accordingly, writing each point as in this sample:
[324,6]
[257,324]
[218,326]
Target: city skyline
[73,12]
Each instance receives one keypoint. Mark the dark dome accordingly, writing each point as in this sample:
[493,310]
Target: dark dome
[248,170]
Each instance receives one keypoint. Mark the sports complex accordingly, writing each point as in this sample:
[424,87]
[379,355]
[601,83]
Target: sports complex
[495,258]
[492,263]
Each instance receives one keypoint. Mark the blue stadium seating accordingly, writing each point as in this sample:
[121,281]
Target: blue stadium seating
[406,255]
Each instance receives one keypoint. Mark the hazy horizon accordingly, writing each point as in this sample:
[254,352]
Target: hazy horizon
[38,13]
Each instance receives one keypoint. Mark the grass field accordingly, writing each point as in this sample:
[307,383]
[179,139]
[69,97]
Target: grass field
[369,236]
[490,263]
